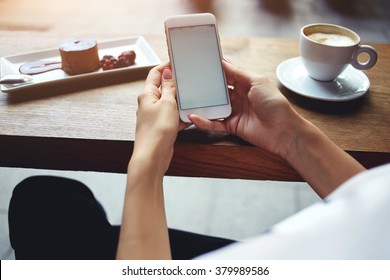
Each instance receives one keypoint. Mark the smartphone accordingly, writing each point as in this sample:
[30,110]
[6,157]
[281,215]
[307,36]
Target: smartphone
[196,61]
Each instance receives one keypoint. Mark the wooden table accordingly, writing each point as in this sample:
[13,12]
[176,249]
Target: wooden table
[90,126]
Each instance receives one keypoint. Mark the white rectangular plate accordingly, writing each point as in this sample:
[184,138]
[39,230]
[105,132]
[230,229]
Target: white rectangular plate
[146,58]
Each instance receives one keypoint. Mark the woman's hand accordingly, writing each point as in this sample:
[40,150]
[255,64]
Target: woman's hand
[157,118]
[260,115]
[144,231]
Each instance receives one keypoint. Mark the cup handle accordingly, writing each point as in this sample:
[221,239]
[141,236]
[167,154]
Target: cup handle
[370,51]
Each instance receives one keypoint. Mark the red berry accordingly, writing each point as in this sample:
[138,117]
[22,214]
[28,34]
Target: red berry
[129,54]
[125,59]
[107,57]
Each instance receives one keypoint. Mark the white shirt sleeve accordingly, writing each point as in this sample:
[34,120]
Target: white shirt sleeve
[353,222]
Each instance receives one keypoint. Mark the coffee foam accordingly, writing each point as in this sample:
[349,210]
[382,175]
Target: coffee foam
[337,40]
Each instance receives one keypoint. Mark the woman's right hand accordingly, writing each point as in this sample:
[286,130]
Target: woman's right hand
[261,115]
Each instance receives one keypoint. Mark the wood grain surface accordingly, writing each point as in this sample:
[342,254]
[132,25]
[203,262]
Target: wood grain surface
[89,124]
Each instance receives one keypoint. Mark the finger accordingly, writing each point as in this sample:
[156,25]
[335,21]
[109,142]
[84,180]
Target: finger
[168,88]
[154,76]
[183,125]
[234,75]
[151,92]
[204,124]
[153,80]
[168,93]
[226,59]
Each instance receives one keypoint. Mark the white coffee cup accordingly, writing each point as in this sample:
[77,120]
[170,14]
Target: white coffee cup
[327,49]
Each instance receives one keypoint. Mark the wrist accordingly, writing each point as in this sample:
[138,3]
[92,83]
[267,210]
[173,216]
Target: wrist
[317,159]
[303,138]
[151,157]
[142,178]
[146,163]
[292,133]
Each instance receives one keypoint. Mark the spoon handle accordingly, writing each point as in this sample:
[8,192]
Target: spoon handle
[12,79]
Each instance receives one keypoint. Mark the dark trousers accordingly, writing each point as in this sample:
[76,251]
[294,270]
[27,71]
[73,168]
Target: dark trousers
[59,218]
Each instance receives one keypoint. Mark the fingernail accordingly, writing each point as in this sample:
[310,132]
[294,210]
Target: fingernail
[167,73]
[226,59]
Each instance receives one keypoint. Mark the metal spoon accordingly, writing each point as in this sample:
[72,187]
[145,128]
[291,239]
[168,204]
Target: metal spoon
[12,79]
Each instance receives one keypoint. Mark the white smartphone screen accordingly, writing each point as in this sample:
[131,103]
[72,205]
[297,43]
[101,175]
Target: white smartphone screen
[197,62]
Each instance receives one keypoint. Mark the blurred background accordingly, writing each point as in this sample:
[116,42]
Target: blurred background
[234,209]
[267,18]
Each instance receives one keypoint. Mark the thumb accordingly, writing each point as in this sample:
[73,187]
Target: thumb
[168,89]
[208,125]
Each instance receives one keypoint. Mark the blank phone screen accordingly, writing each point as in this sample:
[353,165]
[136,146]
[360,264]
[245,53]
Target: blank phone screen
[197,62]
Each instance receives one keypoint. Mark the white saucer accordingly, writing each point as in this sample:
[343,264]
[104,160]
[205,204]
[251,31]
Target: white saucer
[351,84]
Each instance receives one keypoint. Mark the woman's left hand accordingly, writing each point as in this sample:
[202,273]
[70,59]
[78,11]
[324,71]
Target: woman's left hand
[157,118]
[144,230]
